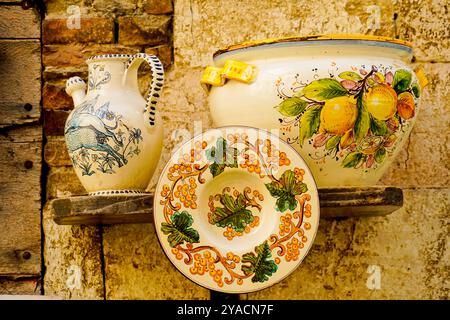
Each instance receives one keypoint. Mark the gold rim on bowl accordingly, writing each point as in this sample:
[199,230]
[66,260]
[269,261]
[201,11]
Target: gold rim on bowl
[319,37]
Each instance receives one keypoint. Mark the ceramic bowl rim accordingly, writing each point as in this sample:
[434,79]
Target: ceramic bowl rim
[381,41]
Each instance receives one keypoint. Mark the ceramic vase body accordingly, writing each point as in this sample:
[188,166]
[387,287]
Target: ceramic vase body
[315,95]
[113,135]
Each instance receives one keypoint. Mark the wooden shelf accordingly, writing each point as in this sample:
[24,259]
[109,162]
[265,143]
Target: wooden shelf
[359,202]
[334,202]
[103,209]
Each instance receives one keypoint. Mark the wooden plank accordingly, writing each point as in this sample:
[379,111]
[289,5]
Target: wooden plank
[16,22]
[337,202]
[20,71]
[21,286]
[355,202]
[20,174]
[103,210]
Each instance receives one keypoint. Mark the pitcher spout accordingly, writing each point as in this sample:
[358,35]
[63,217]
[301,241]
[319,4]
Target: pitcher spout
[76,88]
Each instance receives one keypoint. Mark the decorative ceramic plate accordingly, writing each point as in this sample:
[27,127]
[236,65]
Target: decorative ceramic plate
[236,209]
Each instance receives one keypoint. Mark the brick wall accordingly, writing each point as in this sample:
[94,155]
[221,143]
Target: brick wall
[105,27]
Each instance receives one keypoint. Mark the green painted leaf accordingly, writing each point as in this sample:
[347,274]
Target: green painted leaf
[285,191]
[275,189]
[260,264]
[350,75]
[179,229]
[211,154]
[292,106]
[324,89]
[233,214]
[286,201]
[416,90]
[380,155]
[378,127]
[332,142]
[237,220]
[228,202]
[216,169]
[362,123]
[222,156]
[402,80]
[230,154]
[299,188]
[309,123]
[352,159]
[288,180]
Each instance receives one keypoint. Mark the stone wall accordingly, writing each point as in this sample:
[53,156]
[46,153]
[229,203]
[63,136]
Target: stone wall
[125,261]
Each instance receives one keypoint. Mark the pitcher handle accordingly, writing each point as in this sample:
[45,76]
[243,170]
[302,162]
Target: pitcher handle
[157,70]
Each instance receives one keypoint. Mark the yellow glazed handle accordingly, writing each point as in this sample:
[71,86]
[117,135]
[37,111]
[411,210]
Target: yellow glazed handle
[421,77]
[232,70]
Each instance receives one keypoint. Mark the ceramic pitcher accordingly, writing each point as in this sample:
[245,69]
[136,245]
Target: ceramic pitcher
[347,103]
[114,135]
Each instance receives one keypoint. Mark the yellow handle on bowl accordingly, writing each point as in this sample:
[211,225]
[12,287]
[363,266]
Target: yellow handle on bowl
[421,77]
[232,70]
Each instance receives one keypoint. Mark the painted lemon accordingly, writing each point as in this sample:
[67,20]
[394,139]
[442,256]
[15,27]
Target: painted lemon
[405,105]
[381,102]
[338,115]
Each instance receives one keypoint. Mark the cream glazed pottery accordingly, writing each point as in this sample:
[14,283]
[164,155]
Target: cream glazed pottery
[114,135]
[236,209]
[347,103]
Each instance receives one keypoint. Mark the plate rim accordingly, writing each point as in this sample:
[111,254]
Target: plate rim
[268,284]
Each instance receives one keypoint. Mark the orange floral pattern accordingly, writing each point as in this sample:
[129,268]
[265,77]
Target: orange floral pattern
[262,157]
[180,194]
[230,233]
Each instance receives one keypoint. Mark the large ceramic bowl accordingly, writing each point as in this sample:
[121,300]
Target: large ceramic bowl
[346,103]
